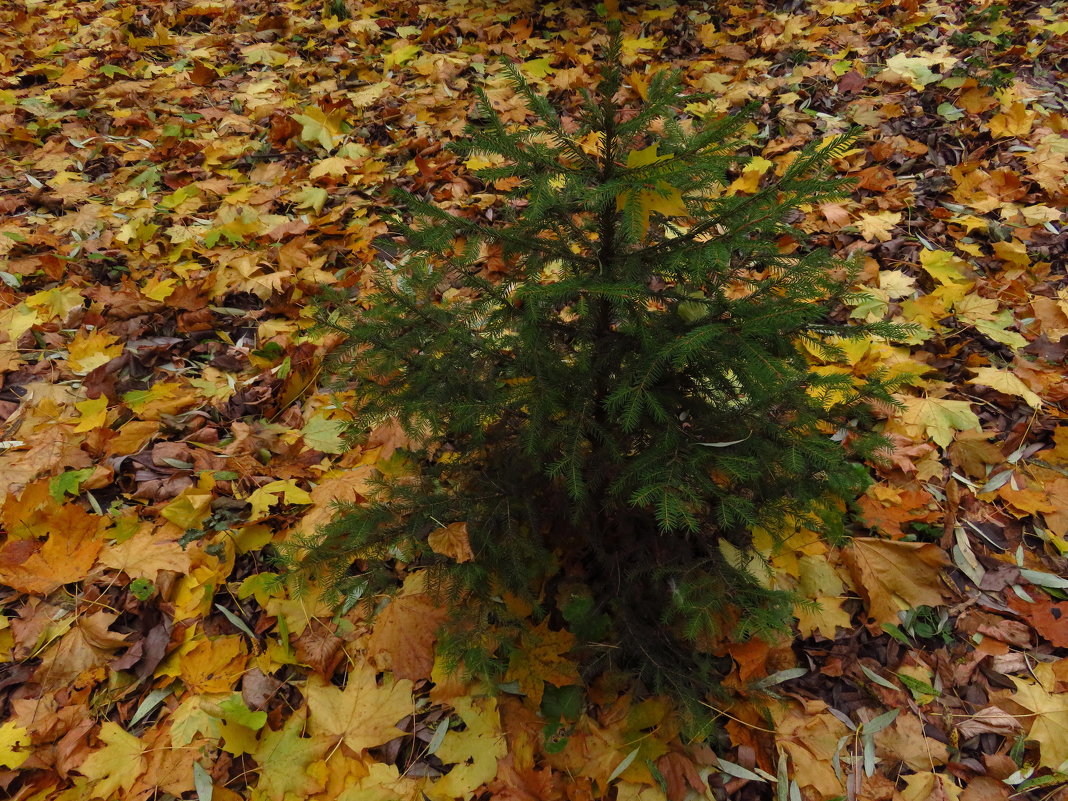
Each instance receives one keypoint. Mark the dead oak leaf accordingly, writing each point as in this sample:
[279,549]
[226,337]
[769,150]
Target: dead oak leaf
[1048,618]
[904,740]
[363,715]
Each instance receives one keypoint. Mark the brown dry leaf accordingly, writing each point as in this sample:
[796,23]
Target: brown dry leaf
[681,776]
[991,719]
[904,741]
[986,788]
[319,647]
[405,632]
[167,767]
[452,541]
[48,450]
[809,734]
[87,646]
[1047,617]
[972,452]
[895,576]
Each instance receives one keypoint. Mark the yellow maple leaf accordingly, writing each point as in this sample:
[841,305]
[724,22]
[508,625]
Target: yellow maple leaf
[274,493]
[189,509]
[363,715]
[57,302]
[159,289]
[838,8]
[117,765]
[146,553]
[645,157]
[94,414]
[896,283]
[915,70]
[1049,724]
[996,329]
[662,198]
[400,55]
[325,129]
[334,166]
[927,786]
[818,581]
[163,397]
[474,751]
[67,555]
[214,666]
[1006,382]
[17,320]
[384,783]
[1037,215]
[1015,121]
[938,418]
[367,95]
[14,745]
[944,266]
[749,181]
[878,226]
[284,757]
[810,735]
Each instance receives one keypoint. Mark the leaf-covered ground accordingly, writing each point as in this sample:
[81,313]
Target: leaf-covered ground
[177,179]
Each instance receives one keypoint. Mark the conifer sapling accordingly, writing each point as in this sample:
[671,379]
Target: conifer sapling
[612,378]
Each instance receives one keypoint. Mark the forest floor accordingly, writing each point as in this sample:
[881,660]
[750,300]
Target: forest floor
[177,179]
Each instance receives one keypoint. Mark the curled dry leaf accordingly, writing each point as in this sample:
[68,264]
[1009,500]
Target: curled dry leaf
[991,720]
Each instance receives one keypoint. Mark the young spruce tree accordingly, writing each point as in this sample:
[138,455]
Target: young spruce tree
[625,392]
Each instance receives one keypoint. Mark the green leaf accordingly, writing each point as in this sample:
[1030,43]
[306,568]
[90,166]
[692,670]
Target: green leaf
[68,483]
[312,197]
[949,112]
[324,435]
[142,589]
[880,722]
[623,765]
[235,711]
